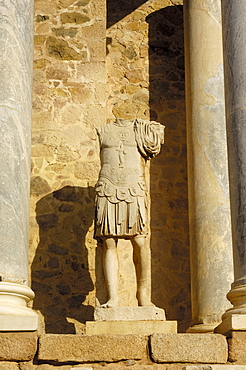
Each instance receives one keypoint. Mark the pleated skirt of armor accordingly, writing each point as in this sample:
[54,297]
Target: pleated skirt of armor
[121,219]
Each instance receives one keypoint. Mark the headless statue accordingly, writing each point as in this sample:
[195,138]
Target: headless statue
[121,198]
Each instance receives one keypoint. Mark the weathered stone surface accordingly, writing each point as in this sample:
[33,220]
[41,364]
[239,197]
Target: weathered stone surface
[74,17]
[123,365]
[67,104]
[130,364]
[214,367]
[60,49]
[71,32]
[85,348]
[82,2]
[129,313]
[39,186]
[31,366]
[17,346]
[9,366]
[209,348]
[237,347]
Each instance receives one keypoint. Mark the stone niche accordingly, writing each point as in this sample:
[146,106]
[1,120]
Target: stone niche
[77,87]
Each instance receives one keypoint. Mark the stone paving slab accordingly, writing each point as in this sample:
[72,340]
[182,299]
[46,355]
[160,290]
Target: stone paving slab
[92,348]
[192,348]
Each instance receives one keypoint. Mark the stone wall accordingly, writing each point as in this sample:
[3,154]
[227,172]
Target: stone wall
[145,79]
[68,102]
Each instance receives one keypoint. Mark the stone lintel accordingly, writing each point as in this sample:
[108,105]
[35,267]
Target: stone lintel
[233,322]
[131,327]
[189,348]
[92,348]
[144,313]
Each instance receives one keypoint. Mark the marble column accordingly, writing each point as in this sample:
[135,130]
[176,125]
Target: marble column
[16,46]
[234,43]
[209,209]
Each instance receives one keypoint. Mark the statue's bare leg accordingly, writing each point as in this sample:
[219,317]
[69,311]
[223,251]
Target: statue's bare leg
[110,267]
[141,258]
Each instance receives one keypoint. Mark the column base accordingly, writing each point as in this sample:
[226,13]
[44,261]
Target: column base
[231,323]
[14,313]
[237,297]
[202,328]
[234,318]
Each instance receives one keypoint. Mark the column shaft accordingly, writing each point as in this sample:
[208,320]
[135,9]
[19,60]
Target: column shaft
[209,210]
[16,46]
[234,42]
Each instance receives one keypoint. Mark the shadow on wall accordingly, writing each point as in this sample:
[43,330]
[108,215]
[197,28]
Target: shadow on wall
[60,274]
[116,10]
[168,171]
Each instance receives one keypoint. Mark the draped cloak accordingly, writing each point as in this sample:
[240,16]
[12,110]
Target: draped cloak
[121,191]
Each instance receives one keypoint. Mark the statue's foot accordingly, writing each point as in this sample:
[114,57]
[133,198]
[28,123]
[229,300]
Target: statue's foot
[113,302]
[143,298]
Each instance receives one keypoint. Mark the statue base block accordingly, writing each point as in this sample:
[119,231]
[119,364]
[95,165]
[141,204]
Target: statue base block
[131,327]
[148,313]
[144,320]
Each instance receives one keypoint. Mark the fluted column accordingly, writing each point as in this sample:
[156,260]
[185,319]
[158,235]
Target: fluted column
[16,45]
[234,43]
[209,210]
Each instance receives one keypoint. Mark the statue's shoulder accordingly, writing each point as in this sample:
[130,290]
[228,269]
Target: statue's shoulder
[104,130]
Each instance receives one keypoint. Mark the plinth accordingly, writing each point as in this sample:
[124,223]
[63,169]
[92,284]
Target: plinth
[232,323]
[145,320]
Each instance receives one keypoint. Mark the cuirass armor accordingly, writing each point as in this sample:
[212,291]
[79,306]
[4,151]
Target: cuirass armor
[121,202]
[122,167]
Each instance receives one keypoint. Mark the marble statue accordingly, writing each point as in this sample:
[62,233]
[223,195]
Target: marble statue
[121,198]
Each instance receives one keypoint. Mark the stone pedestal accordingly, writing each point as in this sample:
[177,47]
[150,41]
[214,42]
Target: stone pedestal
[144,320]
[209,208]
[232,323]
[16,45]
[149,313]
[234,43]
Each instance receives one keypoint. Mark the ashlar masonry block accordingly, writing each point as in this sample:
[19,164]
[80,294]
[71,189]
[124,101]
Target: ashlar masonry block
[91,348]
[189,348]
